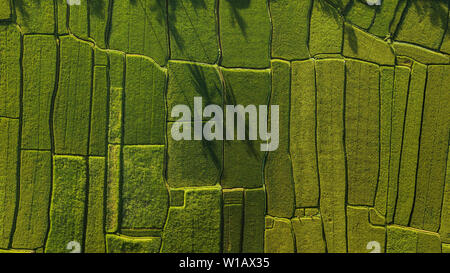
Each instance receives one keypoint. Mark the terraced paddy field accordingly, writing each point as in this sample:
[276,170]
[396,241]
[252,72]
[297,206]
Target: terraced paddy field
[87,162]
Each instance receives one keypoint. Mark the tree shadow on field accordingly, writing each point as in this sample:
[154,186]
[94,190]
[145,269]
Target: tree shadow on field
[235,7]
[172,6]
[199,80]
[437,10]
[336,9]
[20,6]
[155,9]
[175,7]
[97,8]
[208,91]
[230,99]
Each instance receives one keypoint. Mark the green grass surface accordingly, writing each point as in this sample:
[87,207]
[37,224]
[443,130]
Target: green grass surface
[9,129]
[278,168]
[39,61]
[290,33]
[195,226]
[72,103]
[67,210]
[245,33]
[303,134]
[361,131]
[144,194]
[95,239]
[86,152]
[193,30]
[10,70]
[35,186]
[144,102]
[330,78]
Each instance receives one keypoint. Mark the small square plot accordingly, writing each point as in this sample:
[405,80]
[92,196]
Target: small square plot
[176,198]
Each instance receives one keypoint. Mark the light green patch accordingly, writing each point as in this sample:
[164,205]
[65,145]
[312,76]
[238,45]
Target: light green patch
[410,146]
[146,232]
[420,54]
[290,20]
[404,61]
[279,238]
[35,186]
[115,126]
[433,150]
[68,203]
[5,10]
[98,130]
[428,242]
[330,75]
[269,222]
[116,68]
[233,196]
[95,237]
[35,16]
[310,212]
[308,235]
[401,240]
[245,33]
[360,232]
[195,228]
[445,248]
[144,194]
[113,188]
[399,99]
[325,30]
[100,57]
[444,229]
[244,87]
[361,45]
[329,56]
[125,244]
[362,109]
[376,218]
[39,69]
[9,71]
[302,134]
[115,115]
[16,251]
[233,213]
[193,163]
[384,15]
